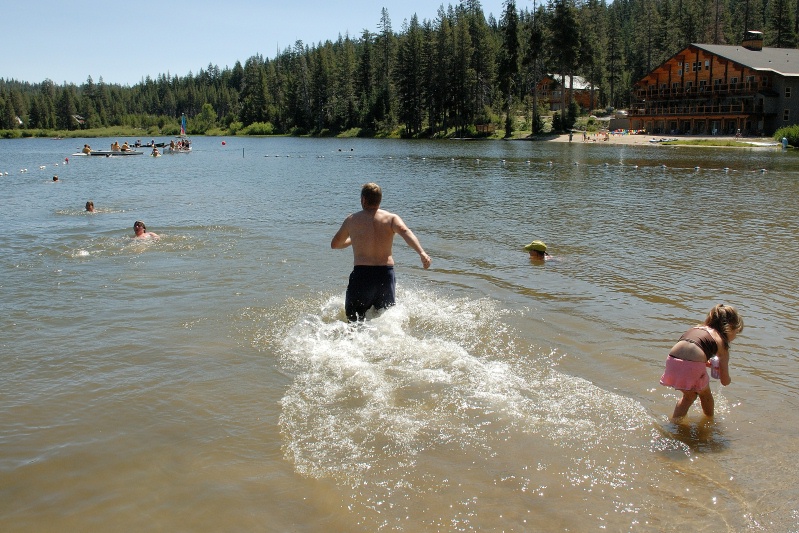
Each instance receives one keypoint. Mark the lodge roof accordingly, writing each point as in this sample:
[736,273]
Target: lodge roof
[580,83]
[784,61]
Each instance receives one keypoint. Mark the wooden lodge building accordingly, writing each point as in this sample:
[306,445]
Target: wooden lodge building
[718,89]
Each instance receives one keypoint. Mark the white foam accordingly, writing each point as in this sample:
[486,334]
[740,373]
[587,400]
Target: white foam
[429,372]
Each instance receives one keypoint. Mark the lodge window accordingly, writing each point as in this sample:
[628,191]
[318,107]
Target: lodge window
[707,64]
[679,72]
[697,66]
[764,80]
[786,115]
[733,81]
[787,92]
[702,84]
[675,85]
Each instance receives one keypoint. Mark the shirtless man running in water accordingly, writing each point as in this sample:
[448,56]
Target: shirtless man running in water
[371,234]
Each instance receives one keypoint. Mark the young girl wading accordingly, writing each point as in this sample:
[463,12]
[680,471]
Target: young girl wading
[686,365]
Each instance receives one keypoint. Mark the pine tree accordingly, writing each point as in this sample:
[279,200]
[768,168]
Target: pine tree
[509,62]
[565,46]
[442,73]
[780,31]
[65,110]
[8,119]
[408,73]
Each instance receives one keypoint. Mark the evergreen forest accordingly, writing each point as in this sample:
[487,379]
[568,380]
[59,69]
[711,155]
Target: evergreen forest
[450,76]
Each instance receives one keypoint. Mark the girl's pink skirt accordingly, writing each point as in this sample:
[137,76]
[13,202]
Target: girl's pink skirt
[685,375]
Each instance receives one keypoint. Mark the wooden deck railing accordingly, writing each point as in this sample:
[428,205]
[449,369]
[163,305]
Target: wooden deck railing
[720,89]
[653,109]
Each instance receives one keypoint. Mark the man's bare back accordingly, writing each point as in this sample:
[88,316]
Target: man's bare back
[371,234]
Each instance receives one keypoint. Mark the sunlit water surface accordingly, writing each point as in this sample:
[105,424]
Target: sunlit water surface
[208,381]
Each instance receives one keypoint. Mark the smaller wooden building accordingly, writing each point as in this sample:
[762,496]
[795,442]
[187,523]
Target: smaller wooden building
[549,90]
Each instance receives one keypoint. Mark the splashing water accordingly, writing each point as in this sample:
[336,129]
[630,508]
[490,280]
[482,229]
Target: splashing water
[390,402]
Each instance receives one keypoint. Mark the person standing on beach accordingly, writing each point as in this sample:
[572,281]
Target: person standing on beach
[371,232]
[688,359]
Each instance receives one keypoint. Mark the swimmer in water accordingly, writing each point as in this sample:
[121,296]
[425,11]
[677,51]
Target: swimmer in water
[537,251]
[141,231]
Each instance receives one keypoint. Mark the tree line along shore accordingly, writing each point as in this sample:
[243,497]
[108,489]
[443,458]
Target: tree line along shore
[461,74]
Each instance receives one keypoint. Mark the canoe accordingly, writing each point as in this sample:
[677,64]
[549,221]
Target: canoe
[109,153]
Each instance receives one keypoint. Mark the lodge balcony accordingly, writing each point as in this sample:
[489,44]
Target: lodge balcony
[719,90]
[683,108]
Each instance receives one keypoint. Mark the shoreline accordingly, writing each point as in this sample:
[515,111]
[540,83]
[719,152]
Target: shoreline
[637,139]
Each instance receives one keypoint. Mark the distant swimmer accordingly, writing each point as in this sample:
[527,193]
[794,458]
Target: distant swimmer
[707,344]
[55,178]
[90,206]
[141,231]
[371,233]
[537,251]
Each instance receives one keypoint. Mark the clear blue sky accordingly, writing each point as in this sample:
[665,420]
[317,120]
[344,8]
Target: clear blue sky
[125,41]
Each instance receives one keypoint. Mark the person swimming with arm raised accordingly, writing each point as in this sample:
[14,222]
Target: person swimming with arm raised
[371,232]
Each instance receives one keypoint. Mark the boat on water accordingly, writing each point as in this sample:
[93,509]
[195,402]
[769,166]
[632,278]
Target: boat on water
[183,144]
[108,153]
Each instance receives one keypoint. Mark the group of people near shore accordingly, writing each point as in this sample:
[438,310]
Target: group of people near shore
[372,283]
[115,147]
[182,145]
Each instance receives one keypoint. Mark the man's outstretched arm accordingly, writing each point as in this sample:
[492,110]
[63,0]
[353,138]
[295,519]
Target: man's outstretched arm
[405,232]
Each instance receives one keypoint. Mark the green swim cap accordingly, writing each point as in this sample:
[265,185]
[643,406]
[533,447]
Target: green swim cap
[538,246]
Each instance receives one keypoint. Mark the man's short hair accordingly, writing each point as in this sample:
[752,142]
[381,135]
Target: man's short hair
[371,195]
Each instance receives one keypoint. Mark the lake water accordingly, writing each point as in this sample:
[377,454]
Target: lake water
[208,381]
